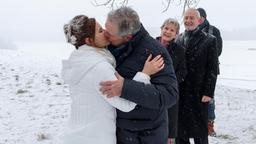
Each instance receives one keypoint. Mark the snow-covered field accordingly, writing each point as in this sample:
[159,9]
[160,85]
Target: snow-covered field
[34,102]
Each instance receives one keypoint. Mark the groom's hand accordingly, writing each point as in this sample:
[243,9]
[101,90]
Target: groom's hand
[112,88]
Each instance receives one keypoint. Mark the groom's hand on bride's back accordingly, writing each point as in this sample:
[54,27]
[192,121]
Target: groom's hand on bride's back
[112,88]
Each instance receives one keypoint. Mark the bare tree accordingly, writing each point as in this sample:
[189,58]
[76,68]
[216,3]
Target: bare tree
[117,3]
[111,3]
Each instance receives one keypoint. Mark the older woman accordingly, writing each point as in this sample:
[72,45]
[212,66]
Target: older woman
[169,31]
[93,115]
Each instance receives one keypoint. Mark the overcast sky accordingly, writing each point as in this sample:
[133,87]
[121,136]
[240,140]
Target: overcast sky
[38,20]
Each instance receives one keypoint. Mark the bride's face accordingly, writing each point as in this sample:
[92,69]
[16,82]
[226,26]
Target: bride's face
[100,40]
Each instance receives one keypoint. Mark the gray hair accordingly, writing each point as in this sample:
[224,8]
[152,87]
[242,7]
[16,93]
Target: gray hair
[127,20]
[193,10]
[172,21]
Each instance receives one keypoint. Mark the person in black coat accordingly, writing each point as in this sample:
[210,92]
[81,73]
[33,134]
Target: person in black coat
[198,87]
[169,30]
[208,28]
[131,45]
[205,26]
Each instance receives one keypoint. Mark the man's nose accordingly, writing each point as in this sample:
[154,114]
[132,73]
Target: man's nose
[106,34]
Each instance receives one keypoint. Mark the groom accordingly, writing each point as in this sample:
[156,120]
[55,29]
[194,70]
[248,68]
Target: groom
[131,44]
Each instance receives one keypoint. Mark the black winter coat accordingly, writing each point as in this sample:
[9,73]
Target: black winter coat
[202,63]
[177,54]
[153,99]
[206,27]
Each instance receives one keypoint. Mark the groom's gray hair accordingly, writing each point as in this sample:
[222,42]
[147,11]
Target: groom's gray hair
[127,20]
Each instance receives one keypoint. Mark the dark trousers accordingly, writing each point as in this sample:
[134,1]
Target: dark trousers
[158,135]
[203,140]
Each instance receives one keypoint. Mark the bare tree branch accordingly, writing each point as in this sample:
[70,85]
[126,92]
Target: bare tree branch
[185,3]
[95,3]
[184,6]
[108,3]
[168,5]
[111,3]
[124,2]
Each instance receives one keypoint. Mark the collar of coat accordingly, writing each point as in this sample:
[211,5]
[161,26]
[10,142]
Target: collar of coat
[124,50]
[81,61]
[205,25]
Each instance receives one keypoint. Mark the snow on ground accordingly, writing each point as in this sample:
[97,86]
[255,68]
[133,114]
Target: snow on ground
[34,102]
[33,99]
[238,64]
[6,44]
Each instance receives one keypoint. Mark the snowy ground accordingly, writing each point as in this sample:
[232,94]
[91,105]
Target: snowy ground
[34,102]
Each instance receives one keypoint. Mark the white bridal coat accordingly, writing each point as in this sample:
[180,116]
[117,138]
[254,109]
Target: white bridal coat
[93,115]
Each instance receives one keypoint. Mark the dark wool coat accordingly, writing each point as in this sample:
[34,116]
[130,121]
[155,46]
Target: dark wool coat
[153,99]
[177,54]
[202,63]
[206,27]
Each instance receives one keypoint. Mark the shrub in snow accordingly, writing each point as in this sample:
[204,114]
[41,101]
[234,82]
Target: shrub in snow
[43,136]
[20,91]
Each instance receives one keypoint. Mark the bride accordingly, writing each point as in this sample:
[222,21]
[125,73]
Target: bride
[93,115]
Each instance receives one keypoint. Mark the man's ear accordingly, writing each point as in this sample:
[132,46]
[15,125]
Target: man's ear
[201,20]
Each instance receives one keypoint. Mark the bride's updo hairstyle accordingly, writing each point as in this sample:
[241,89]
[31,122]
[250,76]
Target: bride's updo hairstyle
[79,28]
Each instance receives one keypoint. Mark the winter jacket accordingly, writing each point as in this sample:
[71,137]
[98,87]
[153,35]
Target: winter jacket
[152,100]
[206,27]
[93,115]
[202,63]
[177,54]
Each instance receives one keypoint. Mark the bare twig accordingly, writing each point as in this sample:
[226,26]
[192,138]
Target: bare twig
[184,6]
[168,5]
[111,3]
[102,4]
[185,3]
[124,2]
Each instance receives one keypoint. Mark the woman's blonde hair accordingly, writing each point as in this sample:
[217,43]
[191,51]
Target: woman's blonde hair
[172,21]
